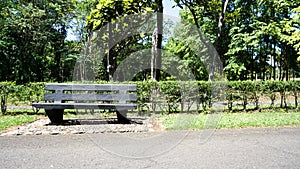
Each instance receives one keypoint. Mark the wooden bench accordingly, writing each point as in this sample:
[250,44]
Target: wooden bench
[117,97]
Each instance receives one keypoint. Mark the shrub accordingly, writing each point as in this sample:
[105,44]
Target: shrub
[174,96]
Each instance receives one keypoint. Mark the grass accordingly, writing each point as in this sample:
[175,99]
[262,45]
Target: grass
[274,118]
[15,112]
[231,120]
[9,121]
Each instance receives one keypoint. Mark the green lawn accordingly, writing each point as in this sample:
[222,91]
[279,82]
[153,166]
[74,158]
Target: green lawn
[231,120]
[8,121]
[198,121]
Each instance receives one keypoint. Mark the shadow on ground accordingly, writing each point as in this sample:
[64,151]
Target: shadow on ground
[67,122]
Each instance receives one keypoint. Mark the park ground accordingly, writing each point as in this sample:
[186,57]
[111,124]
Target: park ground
[268,118]
[224,148]
[240,140]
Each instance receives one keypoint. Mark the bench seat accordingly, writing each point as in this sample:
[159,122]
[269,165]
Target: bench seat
[84,106]
[117,97]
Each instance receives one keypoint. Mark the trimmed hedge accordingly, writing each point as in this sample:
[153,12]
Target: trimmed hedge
[176,96]
[12,94]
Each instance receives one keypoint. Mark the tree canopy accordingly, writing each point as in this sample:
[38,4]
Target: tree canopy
[255,39]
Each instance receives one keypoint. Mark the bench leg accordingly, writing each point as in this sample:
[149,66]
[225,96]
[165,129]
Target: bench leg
[55,115]
[122,117]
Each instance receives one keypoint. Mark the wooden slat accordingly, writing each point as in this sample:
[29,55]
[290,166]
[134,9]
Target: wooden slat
[84,106]
[92,87]
[119,93]
[122,98]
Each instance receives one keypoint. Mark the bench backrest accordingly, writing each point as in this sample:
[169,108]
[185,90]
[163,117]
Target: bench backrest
[116,93]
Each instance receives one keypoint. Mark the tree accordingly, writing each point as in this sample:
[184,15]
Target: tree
[292,26]
[106,15]
[33,36]
[185,45]
[157,37]
[214,12]
[258,47]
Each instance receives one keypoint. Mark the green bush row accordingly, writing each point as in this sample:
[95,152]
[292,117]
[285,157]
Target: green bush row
[12,94]
[175,96]
[202,95]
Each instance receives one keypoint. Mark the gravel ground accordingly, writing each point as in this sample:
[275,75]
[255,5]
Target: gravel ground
[43,127]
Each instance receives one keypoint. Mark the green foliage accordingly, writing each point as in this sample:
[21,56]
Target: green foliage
[5,90]
[261,36]
[254,38]
[12,94]
[186,48]
[32,40]
[204,13]
[109,10]
[175,96]
[116,30]
[259,39]
[28,93]
[292,28]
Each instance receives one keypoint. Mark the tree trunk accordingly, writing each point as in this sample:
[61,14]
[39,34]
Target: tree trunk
[159,39]
[252,65]
[156,58]
[109,55]
[153,54]
[220,24]
[280,66]
[286,66]
[212,66]
[274,61]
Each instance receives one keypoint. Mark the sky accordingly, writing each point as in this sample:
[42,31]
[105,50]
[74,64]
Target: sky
[168,10]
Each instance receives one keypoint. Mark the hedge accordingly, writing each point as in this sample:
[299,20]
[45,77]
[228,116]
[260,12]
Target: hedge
[176,96]
[12,94]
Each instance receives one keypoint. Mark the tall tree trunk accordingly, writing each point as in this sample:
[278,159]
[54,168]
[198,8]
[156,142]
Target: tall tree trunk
[156,58]
[154,54]
[280,65]
[159,38]
[220,25]
[274,59]
[109,55]
[274,45]
[252,65]
[286,59]
[57,67]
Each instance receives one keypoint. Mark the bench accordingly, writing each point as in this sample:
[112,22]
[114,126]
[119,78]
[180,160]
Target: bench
[116,97]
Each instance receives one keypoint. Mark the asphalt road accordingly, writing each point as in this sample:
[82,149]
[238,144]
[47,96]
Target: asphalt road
[225,148]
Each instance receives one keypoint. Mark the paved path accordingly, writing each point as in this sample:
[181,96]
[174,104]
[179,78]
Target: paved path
[226,148]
